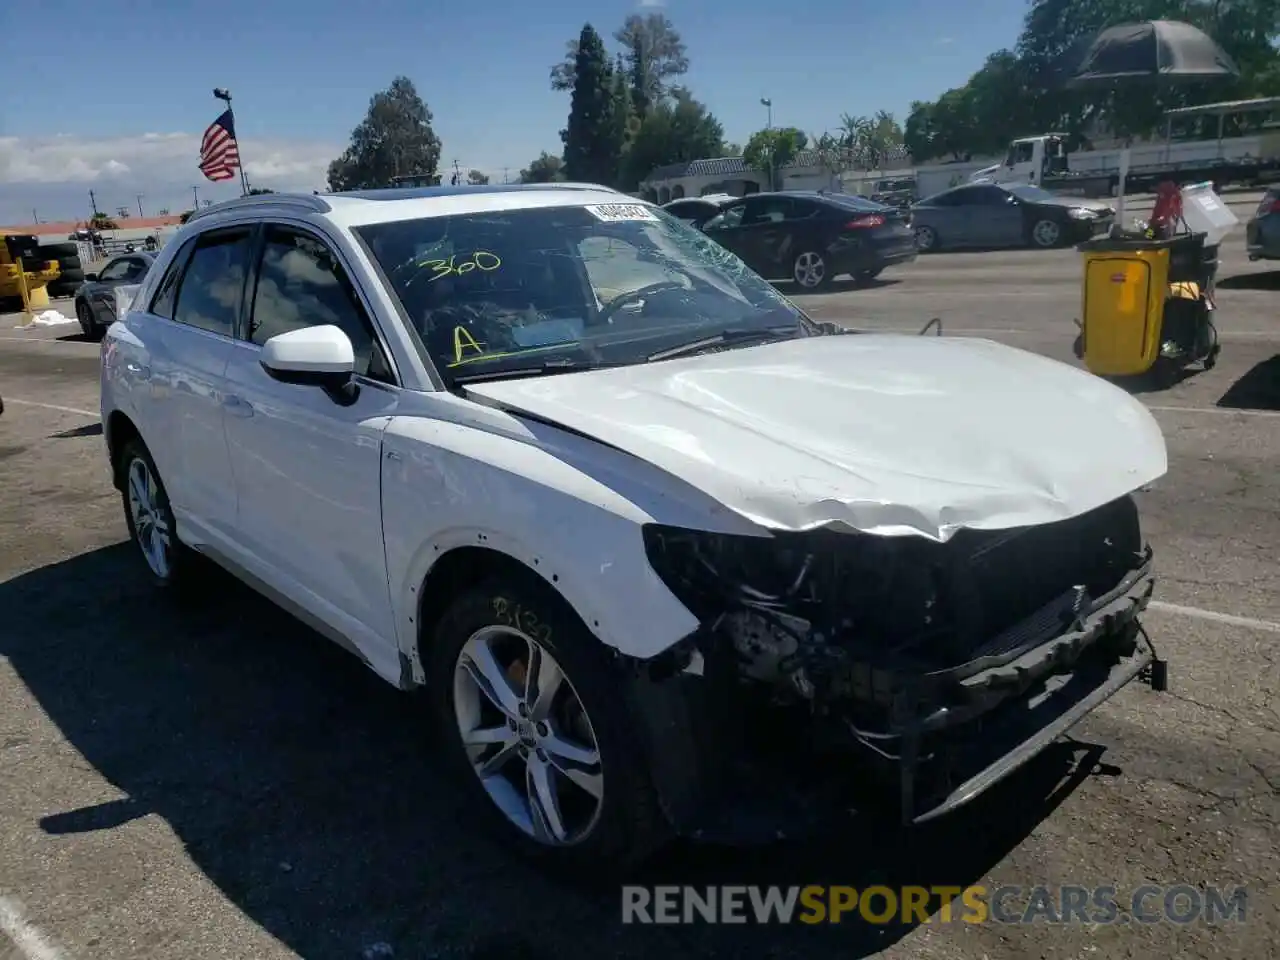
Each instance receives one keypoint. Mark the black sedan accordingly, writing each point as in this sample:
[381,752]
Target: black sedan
[1006,215]
[811,238]
[696,211]
[1262,232]
[96,298]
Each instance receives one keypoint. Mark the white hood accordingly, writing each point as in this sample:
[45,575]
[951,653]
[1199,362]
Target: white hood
[890,434]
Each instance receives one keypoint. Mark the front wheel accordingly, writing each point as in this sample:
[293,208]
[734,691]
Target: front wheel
[1046,234]
[810,270]
[926,239]
[531,712]
[87,323]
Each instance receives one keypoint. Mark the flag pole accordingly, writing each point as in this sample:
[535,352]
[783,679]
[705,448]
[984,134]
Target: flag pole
[222,93]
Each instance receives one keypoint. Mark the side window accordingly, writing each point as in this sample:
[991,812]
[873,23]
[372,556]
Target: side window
[135,270]
[768,210]
[301,284]
[212,285]
[727,219]
[115,270]
[968,197]
[162,303]
[990,197]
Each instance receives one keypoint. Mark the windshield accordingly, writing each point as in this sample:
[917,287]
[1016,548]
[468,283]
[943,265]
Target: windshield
[1028,192]
[497,291]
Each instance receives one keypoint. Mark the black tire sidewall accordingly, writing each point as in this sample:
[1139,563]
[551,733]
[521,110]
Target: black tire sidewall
[630,826]
[136,450]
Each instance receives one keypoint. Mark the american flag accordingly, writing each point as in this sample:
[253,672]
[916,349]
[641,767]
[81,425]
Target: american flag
[219,154]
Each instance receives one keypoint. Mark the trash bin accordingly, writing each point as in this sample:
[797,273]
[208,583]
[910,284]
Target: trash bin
[1146,303]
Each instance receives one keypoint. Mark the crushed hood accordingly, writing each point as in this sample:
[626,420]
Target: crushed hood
[890,434]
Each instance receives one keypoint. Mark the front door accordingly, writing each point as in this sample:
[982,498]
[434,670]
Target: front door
[308,468]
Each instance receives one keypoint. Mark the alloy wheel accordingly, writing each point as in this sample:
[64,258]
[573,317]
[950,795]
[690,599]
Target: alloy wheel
[925,238]
[810,270]
[1046,233]
[528,736]
[150,518]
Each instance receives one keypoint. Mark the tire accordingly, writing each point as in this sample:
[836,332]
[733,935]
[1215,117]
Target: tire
[57,251]
[91,328]
[72,275]
[810,271]
[927,240]
[1046,234]
[505,615]
[134,462]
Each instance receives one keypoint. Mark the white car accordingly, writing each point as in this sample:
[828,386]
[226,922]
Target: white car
[648,539]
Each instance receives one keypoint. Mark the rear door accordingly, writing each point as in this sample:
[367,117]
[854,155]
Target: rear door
[188,335]
[726,229]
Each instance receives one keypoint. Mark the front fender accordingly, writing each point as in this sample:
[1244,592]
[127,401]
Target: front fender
[570,509]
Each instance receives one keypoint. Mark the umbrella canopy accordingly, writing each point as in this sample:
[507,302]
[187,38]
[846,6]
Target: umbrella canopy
[1159,50]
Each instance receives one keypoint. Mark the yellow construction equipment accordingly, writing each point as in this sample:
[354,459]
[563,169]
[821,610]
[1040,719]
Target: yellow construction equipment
[22,275]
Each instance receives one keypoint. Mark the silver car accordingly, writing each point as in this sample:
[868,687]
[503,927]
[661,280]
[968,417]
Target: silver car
[1262,232]
[1006,215]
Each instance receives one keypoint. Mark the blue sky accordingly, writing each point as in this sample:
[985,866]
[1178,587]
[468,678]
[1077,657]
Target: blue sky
[302,74]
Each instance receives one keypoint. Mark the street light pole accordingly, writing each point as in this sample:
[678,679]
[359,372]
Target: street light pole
[223,94]
[767,103]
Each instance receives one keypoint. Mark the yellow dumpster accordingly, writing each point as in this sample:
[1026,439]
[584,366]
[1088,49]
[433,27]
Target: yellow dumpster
[1146,305]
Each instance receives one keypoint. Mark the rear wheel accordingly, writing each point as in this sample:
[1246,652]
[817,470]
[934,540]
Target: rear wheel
[149,517]
[531,711]
[926,239]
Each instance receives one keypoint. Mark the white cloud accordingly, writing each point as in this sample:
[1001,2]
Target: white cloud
[652,4]
[54,174]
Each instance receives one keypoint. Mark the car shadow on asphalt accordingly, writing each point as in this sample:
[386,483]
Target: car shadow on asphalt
[1258,389]
[77,338]
[1261,280]
[842,285]
[306,791]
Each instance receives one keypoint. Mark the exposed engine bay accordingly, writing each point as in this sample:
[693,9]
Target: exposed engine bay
[934,668]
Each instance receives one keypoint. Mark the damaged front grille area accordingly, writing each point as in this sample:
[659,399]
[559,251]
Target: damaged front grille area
[902,648]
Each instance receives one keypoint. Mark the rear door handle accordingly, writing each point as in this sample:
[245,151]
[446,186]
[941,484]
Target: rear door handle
[236,406]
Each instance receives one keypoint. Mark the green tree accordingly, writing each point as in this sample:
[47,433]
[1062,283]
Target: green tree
[547,168]
[100,221]
[394,139]
[769,151]
[592,138]
[476,178]
[653,58]
[677,130]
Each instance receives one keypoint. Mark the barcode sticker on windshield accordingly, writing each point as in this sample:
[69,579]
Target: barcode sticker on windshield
[621,212]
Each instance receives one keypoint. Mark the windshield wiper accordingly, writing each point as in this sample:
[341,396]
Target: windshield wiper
[724,337]
[563,365]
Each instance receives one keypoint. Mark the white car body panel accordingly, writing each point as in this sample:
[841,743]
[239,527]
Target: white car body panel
[888,434]
[344,511]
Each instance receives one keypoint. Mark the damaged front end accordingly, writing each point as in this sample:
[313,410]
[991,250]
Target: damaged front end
[905,670]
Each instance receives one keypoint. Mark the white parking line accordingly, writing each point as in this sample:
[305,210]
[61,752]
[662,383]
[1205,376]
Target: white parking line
[1230,619]
[53,406]
[31,943]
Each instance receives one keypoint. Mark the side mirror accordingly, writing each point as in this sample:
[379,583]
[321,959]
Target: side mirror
[90,278]
[314,357]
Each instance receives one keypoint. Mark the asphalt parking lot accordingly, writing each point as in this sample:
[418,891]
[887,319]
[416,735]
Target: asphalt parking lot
[220,782]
